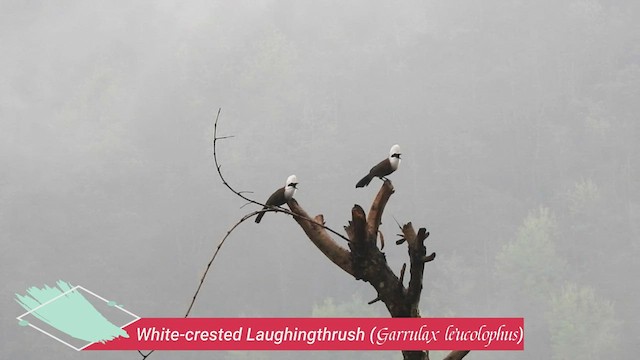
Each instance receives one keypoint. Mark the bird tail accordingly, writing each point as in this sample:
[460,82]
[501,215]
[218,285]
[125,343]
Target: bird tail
[259,217]
[364,181]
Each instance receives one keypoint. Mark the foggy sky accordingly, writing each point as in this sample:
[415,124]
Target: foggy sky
[501,108]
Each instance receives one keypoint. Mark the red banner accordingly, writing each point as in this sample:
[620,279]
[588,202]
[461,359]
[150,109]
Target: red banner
[320,334]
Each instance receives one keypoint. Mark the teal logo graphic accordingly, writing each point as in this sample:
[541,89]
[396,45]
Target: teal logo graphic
[74,315]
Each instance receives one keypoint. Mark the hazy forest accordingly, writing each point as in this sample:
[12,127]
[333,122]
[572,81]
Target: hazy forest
[518,122]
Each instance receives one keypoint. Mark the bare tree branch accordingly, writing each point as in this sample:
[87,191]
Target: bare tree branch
[318,235]
[360,241]
[417,251]
[374,301]
[216,138]
[241,193]
[402,271]
[358,227]
[206,270]
[213,257]
[365,261]
[374,219]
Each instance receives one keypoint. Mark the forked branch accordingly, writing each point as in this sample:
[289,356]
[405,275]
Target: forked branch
[320,238]
[363,260]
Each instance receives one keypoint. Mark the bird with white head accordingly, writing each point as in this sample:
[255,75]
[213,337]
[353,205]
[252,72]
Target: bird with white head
[280,196]
[383,168]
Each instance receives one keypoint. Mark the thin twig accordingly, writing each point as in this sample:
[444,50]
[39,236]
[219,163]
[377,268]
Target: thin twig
[241,193]
[396,220]
[206,270]
[218,166]
[374,300]
[243,219]
[245,204]
[215,254]
[145,356]
[453,355]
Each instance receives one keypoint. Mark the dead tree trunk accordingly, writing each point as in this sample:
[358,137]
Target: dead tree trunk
[365,261]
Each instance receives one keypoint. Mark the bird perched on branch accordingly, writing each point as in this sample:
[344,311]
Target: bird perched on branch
[384,167]
[280,196]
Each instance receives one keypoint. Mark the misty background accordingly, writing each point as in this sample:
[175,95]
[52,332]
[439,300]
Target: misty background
[517,121]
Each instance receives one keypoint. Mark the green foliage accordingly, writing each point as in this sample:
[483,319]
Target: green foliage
[530,263]
[584,196]
[451,269]
[355,307]
[582,325]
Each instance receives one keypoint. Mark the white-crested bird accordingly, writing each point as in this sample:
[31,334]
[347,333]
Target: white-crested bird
[280,196]
[383,168]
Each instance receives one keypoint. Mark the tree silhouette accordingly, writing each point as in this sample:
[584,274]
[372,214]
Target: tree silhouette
[364,260]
